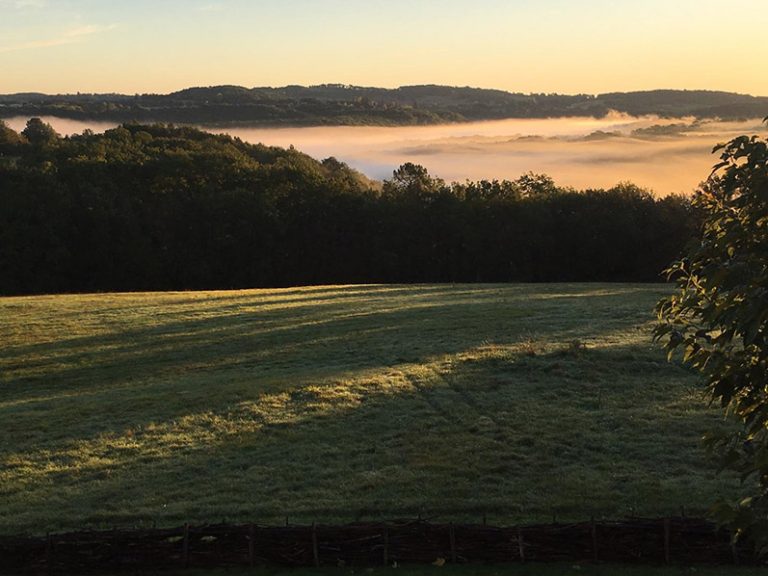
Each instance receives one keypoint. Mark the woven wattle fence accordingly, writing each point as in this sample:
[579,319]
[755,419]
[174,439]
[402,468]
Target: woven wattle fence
[658,541]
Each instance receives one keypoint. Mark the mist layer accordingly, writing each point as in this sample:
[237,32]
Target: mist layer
[664,155]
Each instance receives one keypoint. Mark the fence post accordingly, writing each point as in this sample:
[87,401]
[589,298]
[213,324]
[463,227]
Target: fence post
[667,534]
[385,535]
[452,538]
[48,553]
[520,545]
[251,546]
[115,556]
[315,551]
[185,546]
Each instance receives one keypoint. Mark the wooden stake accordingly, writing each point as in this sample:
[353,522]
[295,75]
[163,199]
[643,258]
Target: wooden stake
[593,530]
[251,546]
[385,535]
[520,545]
[185,547]
[48,552]
[452,538]
[667,533]
[113,546]
[315,552]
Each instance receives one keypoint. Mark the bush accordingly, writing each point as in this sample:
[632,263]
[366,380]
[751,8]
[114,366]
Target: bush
[718,319]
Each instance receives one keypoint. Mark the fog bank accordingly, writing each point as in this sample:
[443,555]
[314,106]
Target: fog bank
[665,155]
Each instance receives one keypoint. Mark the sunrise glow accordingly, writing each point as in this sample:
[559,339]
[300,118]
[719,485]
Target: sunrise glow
[590,46]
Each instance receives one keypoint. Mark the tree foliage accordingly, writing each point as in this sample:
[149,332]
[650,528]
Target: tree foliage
[718,318]
[10,140]
[39,134]
[355,105]
[156,207]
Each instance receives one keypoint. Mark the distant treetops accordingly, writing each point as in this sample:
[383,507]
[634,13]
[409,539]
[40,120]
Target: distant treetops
[356,105]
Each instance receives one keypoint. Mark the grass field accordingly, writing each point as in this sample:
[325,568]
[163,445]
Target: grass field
[345,403]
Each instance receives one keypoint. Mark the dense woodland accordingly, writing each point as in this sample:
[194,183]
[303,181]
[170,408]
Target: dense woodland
[157,207]
[339,104]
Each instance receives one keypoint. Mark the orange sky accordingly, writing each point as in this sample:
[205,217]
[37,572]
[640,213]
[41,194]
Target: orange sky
[566,46]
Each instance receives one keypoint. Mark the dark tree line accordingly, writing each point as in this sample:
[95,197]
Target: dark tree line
[336,104]
[160,207]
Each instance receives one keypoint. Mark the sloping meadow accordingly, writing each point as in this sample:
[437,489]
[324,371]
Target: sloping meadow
[333,404]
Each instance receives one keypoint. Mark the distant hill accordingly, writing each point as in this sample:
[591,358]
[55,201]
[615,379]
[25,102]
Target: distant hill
[337,104]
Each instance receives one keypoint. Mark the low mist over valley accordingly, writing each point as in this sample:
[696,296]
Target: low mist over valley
[665,155]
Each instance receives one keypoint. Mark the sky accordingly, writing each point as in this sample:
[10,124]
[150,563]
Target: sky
[564,46]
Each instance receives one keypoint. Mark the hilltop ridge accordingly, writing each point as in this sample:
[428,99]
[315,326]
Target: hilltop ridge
[340,104]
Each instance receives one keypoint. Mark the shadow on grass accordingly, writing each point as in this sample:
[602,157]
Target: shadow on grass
[458,432]
[137,377]
[263,329]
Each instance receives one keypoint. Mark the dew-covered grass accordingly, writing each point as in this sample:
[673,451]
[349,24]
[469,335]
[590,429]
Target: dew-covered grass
[334,404]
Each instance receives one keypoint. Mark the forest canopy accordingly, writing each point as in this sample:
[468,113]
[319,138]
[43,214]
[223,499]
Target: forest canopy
[336,104]
[158,207]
